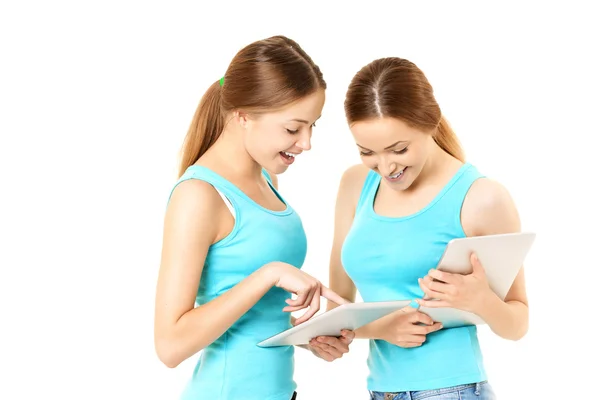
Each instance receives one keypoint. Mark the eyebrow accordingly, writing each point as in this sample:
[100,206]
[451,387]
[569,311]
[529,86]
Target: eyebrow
[389,147]
[303,120]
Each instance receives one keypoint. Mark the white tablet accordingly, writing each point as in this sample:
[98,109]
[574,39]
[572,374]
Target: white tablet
[331,323]
[501,256]
[452,317]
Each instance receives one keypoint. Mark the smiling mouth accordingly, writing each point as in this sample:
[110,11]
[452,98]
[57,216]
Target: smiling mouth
[289,156]
[398,175]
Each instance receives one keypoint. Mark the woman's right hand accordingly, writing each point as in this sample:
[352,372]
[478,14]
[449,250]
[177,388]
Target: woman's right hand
[307,289]
[407,327]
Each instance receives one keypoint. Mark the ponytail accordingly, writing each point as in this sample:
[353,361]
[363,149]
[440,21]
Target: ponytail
[206,126]
[265,75]
[448,141]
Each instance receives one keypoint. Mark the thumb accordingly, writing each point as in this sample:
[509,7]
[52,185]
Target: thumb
[347,336]
[409,309]
[477,267]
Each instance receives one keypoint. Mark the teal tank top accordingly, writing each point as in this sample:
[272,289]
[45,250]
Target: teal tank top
[234,367]
[384,257]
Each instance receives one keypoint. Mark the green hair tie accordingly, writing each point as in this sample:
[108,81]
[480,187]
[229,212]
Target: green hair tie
[221,81]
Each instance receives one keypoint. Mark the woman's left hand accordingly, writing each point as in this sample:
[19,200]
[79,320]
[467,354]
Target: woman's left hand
[464,292]
[330,348]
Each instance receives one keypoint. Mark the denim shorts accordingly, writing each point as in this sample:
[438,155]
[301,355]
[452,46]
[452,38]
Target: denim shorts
[473,391]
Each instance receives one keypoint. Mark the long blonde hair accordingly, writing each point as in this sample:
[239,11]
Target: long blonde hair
[397,88]
[267,74]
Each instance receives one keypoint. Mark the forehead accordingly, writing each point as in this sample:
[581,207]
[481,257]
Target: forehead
[307,108]
[379,133]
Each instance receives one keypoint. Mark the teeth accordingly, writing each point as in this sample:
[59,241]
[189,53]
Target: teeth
[397,175]
[289,154]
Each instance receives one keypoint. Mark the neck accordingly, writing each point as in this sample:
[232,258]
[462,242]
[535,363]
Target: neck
[229,155]
[436,167]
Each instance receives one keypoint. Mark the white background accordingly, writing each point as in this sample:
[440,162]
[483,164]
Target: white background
[95,100]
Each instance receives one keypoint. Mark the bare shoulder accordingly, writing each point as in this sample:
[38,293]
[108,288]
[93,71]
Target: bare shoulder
[194,202]
[194,193]
[352,182]
[489,209]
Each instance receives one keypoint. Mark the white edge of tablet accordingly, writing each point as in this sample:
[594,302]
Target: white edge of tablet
[388,306]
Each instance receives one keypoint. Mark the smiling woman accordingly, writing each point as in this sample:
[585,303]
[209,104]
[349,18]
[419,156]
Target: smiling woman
[233,247]
[395,214]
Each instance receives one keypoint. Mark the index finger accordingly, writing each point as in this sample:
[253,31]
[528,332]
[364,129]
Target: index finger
[333,296]
[313,308]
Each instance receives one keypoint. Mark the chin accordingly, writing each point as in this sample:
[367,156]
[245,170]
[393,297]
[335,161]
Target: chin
[277,169]
[398,187]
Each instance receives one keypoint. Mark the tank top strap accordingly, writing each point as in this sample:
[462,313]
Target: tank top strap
[369,189]
[456,191]
[267,176]
[222,186]
[463,183]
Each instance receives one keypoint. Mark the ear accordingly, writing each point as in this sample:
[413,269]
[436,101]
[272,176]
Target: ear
[242,118]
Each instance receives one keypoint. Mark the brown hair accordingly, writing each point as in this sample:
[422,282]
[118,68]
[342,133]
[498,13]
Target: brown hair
[265,75]
[397,88]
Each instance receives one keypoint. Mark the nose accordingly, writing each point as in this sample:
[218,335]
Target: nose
[304,142]
[386,167]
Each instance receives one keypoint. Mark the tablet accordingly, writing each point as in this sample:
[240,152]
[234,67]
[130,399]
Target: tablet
[501,255]
[452,317]
[331,323]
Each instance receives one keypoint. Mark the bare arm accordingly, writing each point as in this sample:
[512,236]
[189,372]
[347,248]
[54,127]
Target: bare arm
[197,217]
[489,209]
[331,348]
[191,225]
[345,207]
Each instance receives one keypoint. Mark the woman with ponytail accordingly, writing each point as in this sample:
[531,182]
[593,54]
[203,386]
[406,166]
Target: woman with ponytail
[232,246]
[395,214]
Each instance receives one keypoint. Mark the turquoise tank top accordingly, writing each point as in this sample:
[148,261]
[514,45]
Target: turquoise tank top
[384,257]
[234,367]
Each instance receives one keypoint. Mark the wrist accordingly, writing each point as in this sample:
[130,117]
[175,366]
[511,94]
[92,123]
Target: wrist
[487,303]
[369,331]
[269,273]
